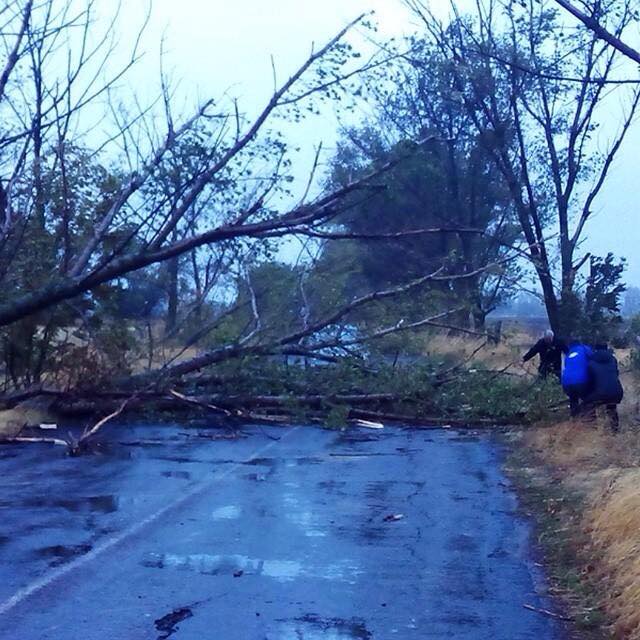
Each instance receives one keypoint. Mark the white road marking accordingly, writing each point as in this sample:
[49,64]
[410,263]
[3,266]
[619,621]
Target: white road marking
[55,575]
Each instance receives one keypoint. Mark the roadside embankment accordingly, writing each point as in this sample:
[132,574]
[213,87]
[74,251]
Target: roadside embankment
[581,483]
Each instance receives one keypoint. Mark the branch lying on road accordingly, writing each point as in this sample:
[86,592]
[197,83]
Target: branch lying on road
[34,440]
[203,405]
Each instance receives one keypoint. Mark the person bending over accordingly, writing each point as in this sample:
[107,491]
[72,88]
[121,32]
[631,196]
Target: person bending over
[575,375]
[550,350]
[605,387]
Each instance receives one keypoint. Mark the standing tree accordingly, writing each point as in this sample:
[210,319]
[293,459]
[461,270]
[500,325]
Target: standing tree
[535,91]
[446,187]
[604,288]
[631,302]
[450,183]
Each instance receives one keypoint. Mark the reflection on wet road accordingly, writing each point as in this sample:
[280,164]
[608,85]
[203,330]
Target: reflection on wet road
[398,533]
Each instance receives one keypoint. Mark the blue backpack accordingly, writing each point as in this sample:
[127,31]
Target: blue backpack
[576,365]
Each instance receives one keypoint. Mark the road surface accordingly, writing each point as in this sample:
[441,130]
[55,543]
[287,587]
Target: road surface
[169,533]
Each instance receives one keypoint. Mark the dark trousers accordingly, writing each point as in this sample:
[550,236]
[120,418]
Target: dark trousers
[544,370]
[589,411]
[575,392]
[574,404]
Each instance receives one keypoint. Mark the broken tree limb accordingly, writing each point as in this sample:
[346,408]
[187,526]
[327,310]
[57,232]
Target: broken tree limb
[235,413]
[277,409]
[77,446]
[98,425]
[27,439]
[426,422]
[201,404]
[235,405]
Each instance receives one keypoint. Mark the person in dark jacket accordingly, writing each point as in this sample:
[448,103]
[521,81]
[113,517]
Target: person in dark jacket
[550,350]
[605,387]
[575,375]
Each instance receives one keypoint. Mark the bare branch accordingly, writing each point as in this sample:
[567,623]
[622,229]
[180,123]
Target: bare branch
[14,55]
[600,31]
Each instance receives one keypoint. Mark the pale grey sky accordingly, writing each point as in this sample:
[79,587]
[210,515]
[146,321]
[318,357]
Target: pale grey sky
[218,46]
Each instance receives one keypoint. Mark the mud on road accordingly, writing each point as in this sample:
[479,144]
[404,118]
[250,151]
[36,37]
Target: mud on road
[320,534]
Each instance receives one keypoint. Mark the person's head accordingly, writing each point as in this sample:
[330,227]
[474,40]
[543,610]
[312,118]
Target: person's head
[548,336]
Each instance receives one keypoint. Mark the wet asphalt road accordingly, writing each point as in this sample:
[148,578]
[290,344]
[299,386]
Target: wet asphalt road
[166,534]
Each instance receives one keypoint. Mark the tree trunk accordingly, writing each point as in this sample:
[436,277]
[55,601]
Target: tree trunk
[172,295]
[173,272]
[479,318]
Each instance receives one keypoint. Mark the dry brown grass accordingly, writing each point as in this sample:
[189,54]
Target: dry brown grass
[604,469]
[509,351]
[612,522]
[583,448]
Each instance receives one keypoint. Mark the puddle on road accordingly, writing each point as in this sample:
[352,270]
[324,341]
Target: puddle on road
[378,490]
[183,475]
[471,436]
[298,462]
[351,438]
[255,477]
[334,487]
[189,460]
[91,504]
[168,625]
[239,565]
[288,462]
[462,543]
[261,462]
[314,627]
[481,476]
[230,512]
[303,516]
[208,564]
[60,553]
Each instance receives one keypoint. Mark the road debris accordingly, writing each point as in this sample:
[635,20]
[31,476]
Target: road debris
[393,517]
[545,612]
[368,424]
[168,624]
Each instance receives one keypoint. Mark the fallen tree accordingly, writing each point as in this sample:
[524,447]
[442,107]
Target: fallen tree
[91,238]
[404,396]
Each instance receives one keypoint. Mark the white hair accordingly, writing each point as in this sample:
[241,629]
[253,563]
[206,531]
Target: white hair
[548,334]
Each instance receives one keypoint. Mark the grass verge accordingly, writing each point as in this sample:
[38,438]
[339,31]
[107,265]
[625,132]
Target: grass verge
[581,484]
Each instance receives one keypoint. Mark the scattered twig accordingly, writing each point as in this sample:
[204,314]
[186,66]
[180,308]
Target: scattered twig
[393,517]
[504,370]
[546,612]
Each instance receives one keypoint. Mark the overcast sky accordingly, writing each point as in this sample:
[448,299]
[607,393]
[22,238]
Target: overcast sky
[218,46]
